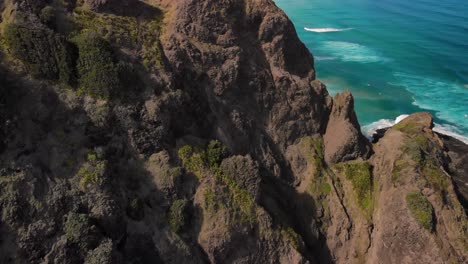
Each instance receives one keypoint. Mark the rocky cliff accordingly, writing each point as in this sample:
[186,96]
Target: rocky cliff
[193,131]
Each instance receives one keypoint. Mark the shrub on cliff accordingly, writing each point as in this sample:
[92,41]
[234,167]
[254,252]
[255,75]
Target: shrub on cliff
[103,254]
[44,53]
[92,172]
[193,159]
[421,209]
[178,215]
[79,230]
[216,152]
[97,70]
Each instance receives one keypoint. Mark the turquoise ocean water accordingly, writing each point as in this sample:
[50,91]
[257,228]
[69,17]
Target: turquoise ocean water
[396,56]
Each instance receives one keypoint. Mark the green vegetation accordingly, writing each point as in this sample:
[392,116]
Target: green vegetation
[407,127]
[291,236]
[361,178]
[314,153]
[435,178]
[75,225]
[123,31]
[44,53]
[91,62]
[238,200]
[198,160]
[418,147]
[421,209]
[78,230]
[126,32]
[193,160]
[13,207]
[178,215]
[326,188]
[398,167]
[102,254]
[92,172]
[210,200]
[98,73]
[204,161]
[318,188]
[215,152]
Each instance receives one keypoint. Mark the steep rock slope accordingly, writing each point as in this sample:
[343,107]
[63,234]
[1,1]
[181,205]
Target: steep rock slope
[195,132]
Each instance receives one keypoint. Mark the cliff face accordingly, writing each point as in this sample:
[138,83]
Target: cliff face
[194,132]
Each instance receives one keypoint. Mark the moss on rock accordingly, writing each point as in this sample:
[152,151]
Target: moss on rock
[421,209]
[360,174]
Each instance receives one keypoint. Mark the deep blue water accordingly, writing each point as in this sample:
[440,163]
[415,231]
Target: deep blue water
[396,56]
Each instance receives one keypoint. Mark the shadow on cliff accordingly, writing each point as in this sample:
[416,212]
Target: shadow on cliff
[133,8]
[46,143]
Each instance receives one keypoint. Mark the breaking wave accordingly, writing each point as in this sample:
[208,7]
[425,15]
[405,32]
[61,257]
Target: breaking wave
[350,52]
[370,129]
[326,30]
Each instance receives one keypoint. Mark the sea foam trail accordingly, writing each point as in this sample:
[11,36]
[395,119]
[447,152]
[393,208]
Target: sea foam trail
[325,30]
[350,52]
[371,129]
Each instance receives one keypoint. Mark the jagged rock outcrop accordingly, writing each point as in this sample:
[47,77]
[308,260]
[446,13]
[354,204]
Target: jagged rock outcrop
[216,145]
[410,161]
[343,138]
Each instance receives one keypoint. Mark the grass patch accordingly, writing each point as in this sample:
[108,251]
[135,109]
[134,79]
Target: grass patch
[421,209]
[435,178]
[314,153]
[238,200]
[361,178]
[126,32]
[407,127]
[398,168]
[416,146]
[203,161]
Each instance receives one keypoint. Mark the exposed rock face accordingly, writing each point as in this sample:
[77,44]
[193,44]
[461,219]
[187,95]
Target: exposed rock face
[343,138]
[408,159]
[253,71]
[139,178]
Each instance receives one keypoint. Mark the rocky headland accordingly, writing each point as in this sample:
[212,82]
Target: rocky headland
[195,131]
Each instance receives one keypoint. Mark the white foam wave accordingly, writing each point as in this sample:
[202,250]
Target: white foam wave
[326,30]
[371,129]
[447,99]
[324,58]
[350,52]
[450,131]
